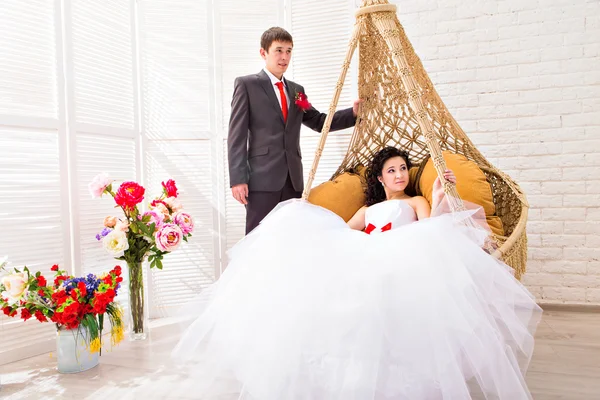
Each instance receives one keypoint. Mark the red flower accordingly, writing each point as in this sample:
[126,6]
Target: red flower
[117,270]
[170,188]
[40,316]
[59,297]
[156,202]
[59,279]
[54,267]
[25,314]
[82,289]
[302,102]
[41,281]
[9,311]
[107,279]
[41,293]
[69,317]
[129,195]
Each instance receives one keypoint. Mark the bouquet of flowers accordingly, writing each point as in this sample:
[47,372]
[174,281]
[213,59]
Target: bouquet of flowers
[69,302]
[139,235]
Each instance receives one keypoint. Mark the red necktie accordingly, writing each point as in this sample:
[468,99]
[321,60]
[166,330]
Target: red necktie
[284,108]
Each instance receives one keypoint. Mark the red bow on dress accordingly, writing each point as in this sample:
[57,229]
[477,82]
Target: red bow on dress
[370,228]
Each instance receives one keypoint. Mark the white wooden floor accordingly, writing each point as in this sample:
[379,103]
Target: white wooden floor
[566,366]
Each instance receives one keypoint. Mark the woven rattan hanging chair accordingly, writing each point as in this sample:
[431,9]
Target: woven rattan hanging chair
[403,109]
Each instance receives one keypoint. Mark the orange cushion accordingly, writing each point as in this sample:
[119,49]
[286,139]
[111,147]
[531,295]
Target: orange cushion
[471,184]
[344,195]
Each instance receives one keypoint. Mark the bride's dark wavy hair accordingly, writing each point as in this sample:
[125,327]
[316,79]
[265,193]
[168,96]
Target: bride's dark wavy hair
[375,192]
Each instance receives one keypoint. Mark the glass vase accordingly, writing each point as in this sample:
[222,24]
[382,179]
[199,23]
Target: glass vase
[138,320]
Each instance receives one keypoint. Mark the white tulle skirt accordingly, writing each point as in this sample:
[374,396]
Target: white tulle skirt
[310,309]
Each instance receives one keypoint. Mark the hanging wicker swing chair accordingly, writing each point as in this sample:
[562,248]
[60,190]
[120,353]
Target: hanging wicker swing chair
[401,108]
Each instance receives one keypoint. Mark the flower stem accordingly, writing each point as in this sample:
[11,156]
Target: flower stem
[136,296]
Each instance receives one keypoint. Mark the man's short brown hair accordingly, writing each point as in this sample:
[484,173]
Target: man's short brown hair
[275,34]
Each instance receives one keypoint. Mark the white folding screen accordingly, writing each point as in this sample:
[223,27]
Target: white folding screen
[179,143]
[100,61]
[68,101]
[321,32]
[33,180]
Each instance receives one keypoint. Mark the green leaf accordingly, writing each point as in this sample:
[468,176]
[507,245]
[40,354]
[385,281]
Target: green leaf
[159,264]
[142,227]
[134,228]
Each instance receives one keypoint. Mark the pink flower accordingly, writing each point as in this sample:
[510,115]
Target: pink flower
[99,184]
[169,237]
[184,221]
[161,208]
[174,203]
[110,222]
[155,216]
[129,195]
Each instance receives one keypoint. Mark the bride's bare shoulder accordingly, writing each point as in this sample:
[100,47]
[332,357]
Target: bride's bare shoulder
[418,203]
[418,200]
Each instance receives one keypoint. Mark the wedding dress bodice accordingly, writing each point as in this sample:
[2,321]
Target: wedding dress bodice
[388,215]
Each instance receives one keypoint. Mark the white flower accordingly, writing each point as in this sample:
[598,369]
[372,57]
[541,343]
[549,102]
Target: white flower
[99,184]
[122,226]
[16,287]
[115,243]
[174,203]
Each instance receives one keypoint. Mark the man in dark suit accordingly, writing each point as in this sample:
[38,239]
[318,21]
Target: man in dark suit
[265,163]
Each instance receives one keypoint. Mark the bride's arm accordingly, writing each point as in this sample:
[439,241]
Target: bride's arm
[421,207]
[358,220]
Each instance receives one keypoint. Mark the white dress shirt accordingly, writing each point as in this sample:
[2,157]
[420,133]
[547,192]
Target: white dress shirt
[274,81]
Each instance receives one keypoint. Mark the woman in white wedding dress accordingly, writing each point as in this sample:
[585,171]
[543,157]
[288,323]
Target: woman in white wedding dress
[392,305]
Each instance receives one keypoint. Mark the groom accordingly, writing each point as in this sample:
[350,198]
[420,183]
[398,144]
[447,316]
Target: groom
[265,163]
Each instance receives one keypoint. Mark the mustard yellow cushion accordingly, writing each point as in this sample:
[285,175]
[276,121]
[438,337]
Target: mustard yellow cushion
[344,195]
[471,184]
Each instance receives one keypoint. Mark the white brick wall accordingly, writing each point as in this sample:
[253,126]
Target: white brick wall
[523,80]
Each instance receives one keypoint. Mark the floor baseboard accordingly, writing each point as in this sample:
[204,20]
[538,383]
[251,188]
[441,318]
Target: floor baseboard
[589,308]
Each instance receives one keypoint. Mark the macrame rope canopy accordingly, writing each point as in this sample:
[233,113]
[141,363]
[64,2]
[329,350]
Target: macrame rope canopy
[401,108]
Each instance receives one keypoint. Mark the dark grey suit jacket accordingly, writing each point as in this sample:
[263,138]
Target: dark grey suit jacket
[261,148]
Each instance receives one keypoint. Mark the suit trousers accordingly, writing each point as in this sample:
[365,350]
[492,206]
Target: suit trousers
[262,203]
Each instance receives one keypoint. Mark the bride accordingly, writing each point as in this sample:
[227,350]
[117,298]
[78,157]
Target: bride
[392,305]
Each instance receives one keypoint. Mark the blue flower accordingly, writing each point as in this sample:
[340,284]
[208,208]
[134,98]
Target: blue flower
[91,284]
[104,232]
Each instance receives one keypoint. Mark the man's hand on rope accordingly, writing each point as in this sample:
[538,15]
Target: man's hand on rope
[240,193]
[356,106]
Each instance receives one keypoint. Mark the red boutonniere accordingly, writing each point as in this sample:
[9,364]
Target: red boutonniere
[302,101]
